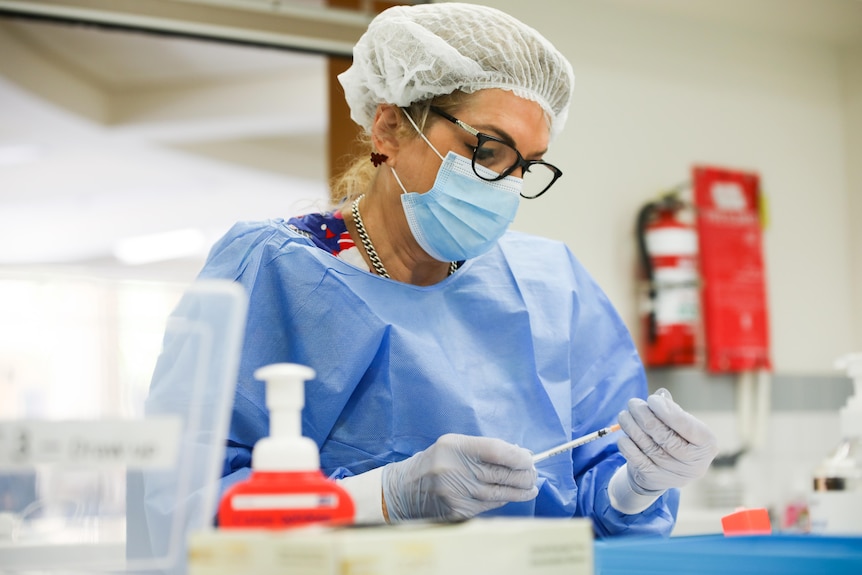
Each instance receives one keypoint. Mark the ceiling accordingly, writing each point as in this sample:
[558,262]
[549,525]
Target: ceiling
[109,136]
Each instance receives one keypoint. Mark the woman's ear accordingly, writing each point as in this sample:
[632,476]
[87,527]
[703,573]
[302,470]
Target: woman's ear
[384,129]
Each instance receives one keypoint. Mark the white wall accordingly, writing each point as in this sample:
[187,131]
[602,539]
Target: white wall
[657,94]
[852,61]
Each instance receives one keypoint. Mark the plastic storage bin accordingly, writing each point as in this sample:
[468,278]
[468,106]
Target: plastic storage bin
[100,470]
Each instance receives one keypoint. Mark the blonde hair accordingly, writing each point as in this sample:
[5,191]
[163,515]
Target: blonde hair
[356,179]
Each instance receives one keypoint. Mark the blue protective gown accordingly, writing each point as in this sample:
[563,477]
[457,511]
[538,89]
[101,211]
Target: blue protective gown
[518,344]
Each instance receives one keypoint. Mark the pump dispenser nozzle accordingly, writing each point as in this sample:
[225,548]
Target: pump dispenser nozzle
[285,449]
[851,413]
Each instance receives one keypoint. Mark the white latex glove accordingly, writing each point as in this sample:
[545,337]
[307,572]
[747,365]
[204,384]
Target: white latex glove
[458,477]
[664,447]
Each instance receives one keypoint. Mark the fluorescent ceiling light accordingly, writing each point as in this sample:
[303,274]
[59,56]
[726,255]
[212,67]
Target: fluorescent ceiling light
[160,247]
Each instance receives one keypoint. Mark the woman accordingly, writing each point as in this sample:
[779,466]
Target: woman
[448,350]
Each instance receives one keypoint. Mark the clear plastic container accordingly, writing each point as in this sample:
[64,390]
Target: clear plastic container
[100,470]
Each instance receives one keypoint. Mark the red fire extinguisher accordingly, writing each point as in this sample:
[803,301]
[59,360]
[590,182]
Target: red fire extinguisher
[668,254]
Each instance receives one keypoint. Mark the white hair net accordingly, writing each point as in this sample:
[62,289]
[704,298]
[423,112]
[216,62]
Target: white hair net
[414,53]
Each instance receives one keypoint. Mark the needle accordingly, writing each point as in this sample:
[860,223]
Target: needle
[576,442]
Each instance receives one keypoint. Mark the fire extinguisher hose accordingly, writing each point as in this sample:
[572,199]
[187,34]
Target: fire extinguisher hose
[644,216]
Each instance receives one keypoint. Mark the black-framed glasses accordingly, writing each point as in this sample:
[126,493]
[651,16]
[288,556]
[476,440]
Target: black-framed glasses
[494,159]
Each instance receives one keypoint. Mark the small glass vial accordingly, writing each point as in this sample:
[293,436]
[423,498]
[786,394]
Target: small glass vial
[835,505]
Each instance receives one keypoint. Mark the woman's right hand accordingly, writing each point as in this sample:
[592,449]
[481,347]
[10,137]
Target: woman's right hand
[458,477]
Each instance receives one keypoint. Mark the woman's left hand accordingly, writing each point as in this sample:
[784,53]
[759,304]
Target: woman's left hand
[665,446]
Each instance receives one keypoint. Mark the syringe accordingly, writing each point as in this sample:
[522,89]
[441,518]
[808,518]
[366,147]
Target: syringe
[575,442]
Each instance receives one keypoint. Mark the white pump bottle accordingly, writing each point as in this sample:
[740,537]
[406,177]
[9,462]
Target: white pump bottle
[835,506]
[286,487]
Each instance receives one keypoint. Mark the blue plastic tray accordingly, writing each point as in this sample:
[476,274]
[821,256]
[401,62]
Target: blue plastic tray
[716,554]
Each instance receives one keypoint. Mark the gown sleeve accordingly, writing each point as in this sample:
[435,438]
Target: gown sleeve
[606,372]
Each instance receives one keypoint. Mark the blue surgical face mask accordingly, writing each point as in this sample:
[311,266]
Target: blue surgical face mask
[462,215]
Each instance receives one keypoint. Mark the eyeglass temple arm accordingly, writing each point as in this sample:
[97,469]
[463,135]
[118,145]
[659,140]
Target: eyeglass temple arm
[455,121]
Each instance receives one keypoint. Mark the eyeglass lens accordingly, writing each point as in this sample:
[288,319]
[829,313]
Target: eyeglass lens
[500,157]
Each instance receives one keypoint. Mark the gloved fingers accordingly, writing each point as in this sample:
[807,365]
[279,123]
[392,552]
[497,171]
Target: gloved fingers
[688,427]
[654,472]
[633,454]
[661,434]
[506,476]
[642,471]
[659,456]
[504,493]
[490,492]
[458,477]
[676,431]
[639,424]
[497,463]
[492,451]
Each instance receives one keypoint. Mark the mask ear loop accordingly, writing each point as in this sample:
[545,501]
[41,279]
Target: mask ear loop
[397,179]
[421,135]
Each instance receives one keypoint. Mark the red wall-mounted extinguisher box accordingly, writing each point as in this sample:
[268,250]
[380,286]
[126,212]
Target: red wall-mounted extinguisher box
[667,243]
[704,267]
[732,270]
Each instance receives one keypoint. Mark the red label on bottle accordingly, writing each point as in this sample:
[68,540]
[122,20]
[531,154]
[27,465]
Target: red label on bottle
[284,500]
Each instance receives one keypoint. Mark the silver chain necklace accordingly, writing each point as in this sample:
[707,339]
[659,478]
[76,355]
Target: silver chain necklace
[369,247]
